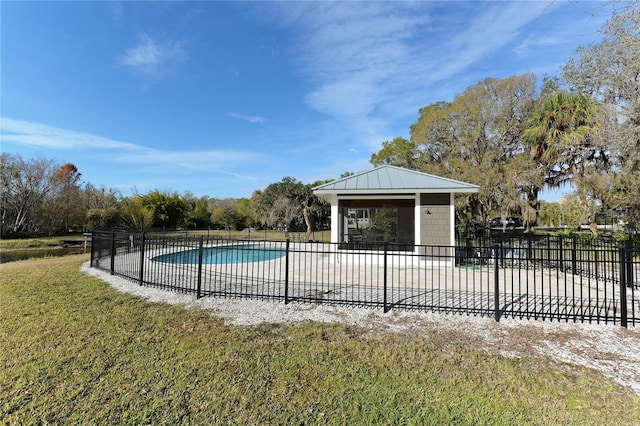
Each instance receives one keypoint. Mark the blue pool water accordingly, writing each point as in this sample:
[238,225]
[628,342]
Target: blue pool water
[242,253]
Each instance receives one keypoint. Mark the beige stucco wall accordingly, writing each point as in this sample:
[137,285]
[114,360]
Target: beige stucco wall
[435,219]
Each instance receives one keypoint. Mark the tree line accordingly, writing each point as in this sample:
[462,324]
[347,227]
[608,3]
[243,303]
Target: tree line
[41,197]
[581,130]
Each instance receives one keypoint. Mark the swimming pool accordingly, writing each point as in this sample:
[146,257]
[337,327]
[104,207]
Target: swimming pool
[240,253]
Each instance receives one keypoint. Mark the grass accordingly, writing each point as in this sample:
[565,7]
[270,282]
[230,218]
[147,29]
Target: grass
[74,351]
[32,243]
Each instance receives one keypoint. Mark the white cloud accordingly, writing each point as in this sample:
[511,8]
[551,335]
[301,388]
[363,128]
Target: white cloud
[487,33]
[581,29]
[372,60]
[344,98]
[44,136]
[150,56]
[53,138]
[249,118]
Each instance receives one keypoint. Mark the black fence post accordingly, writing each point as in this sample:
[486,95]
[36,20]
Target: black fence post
[200,250]
[626,258]
[141,277]
[113,252]
[286,273]
[561,253]
[93,248]
[630,272]
[384,285]
[496,284]
[631,279]
[574,255]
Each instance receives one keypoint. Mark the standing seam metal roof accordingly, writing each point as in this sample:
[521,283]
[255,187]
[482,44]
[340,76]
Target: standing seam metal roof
[391,179]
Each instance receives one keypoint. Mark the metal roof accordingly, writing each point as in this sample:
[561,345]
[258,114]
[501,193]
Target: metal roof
[393,180]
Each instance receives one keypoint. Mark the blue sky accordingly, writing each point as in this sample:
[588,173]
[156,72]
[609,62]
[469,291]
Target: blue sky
[224,98]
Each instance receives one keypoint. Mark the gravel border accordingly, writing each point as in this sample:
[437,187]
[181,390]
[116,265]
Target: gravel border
[609,349]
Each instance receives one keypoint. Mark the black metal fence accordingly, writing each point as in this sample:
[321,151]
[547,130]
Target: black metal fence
[550,278]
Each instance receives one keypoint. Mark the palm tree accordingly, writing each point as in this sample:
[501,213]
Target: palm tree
[564,121]
[560,134]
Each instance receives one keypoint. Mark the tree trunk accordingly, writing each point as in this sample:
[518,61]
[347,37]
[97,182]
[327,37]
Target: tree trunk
[531,220]
[307,221]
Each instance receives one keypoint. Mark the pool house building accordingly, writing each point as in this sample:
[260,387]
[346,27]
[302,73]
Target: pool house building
[403,208]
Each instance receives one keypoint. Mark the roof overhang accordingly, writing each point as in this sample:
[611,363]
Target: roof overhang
[390,181]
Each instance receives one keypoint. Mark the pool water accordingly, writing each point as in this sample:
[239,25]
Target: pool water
[242,253]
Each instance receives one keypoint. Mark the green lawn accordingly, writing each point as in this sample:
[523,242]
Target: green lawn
[74,351]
